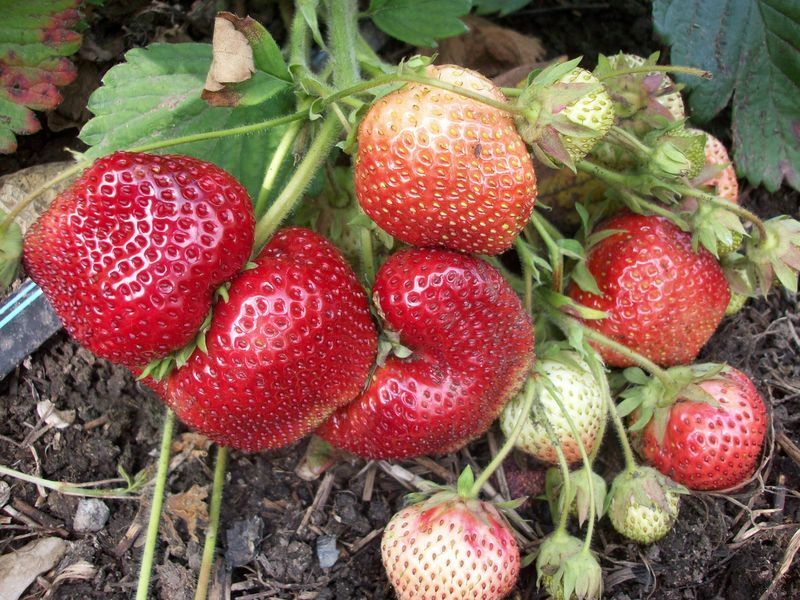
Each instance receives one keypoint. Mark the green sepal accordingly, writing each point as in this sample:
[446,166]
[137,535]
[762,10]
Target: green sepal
[568,305]
[465,482]
[777,256]
[159,368]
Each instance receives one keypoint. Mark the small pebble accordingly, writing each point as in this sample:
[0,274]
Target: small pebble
[91,516]
[327,552]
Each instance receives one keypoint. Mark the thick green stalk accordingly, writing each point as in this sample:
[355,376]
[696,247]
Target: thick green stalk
[630,461]
[587,464]
[630,142]
[155,508]
[530,389]
[210,543]
[327,135]
[343,35]
[275,165]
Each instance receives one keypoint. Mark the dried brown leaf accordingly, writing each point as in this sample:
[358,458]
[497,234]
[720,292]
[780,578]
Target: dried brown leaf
[232,56]
[190,507]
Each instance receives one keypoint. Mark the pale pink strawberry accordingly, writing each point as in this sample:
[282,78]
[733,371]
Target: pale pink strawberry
[457,548]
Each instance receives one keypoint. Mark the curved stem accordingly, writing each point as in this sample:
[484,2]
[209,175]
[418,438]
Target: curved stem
[610,177]
[587,464]
[512,92]
[530,389]
[556,258]
[274,167]
[630,461]
[343,33]
[210,543]
[527,278]
[644,362]
[429,81]
[657,68]
[725,205]
[151,539]
[294,188]
[221,133]
[367,255]
[563,466]
[66,174]
[630,142]
[72,489]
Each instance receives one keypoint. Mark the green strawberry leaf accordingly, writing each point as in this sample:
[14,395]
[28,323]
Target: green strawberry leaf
[750,48]
[420,22]
[503,7]
[36,37]
[155,96]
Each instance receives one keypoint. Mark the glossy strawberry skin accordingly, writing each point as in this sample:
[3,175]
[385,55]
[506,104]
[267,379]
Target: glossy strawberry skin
[294,342]
[472,346]
[130,254]
[437,169]
[706,447]
[458,549]
[663,299]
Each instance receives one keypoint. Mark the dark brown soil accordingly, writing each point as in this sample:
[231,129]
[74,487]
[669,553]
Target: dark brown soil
[727,547]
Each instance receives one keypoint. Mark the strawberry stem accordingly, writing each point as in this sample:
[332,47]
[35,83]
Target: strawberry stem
[155,508]
[75,489]
[630,142]
[556,395]
[274,168]
[563,466]
[294,188]
[213,524]
[659,69]
[367,254]
[342,34]
[530,389]
[724,204]
[556,257]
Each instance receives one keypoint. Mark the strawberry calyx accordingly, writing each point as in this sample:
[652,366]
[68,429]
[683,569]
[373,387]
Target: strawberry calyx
[717,229]
[566,569]
[159,368]
[651,398]
[775,254]
[579,493]
[564,112]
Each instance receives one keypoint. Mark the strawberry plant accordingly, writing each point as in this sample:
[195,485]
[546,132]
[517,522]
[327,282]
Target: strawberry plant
[313,239]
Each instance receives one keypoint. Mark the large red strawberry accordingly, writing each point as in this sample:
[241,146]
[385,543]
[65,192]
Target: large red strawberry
[437,169]
[471,347]
[455,549]
[131,253]
[294,341]
[663,299]
[708,447]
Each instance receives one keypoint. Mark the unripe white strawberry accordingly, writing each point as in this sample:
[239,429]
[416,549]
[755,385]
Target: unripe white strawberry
[593,110]
[582,397]
[643,504]
[456,548]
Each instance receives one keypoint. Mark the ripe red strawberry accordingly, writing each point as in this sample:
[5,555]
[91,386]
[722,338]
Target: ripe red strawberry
[131,253]
[664,300]
[294,342]
[707,447]
[456,549]
[438,169]
[472,347]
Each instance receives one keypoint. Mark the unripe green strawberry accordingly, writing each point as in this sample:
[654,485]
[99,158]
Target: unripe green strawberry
[582,397]
[643,504]
[566,570]
[578,501]
[567,111]
[454,549]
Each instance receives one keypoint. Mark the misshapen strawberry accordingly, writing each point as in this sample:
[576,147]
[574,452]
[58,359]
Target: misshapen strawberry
[294,341]
[438,169]
[456,549]
[131,253]
[708,447]
[472,346]
[663,299]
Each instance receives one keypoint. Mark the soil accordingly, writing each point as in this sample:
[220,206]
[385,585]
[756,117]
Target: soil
[273,523]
